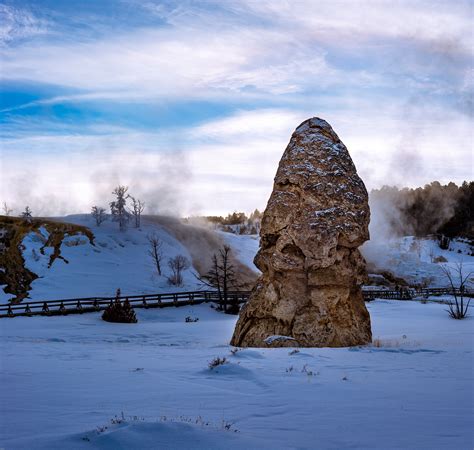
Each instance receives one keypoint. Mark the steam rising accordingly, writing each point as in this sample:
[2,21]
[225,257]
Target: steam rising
[388,212]
[158,179]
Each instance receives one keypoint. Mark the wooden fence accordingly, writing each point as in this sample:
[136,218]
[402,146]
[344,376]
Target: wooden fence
[411,293]
[94,304]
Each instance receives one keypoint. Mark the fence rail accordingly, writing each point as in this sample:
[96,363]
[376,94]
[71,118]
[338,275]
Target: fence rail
[410,293]
[94,304]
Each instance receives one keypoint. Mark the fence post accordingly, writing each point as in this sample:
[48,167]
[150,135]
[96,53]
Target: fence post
[45,308]
[10,311]
[28,309]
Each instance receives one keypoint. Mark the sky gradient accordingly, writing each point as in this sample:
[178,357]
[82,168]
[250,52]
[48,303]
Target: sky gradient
[192,103]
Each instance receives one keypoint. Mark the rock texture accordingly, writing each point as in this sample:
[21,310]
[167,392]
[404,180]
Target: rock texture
[316,218]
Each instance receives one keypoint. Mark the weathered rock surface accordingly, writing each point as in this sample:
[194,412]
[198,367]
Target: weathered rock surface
[316,218]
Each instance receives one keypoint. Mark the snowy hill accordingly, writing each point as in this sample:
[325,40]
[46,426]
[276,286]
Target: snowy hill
[418,261]
[117,259]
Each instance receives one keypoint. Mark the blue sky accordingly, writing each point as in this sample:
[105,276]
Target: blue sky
[192,103]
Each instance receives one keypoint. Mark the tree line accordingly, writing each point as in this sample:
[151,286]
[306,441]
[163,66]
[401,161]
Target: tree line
[433,209]
[238,222]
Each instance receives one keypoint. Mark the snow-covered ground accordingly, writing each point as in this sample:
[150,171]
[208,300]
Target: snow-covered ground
[64,378]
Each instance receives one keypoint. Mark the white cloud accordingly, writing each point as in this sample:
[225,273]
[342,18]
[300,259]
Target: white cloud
[205,52]
[353,22]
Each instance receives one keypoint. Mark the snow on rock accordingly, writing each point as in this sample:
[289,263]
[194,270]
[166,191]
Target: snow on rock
[277,338]
[4,297]
[35,254]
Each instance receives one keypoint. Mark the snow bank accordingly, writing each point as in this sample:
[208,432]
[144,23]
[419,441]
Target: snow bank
[163,434]
[63,377]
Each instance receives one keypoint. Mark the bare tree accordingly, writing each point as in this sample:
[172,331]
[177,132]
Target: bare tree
[136,210]
[177,265]
[118,207]
[459,282]
[222,276]
[154,250]
[98,214]
[27,215]
[6,210]
[213,278]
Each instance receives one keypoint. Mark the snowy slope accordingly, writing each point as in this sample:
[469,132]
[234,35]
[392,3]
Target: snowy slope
[411,390]
[413,258]
[116,260]
[245,246]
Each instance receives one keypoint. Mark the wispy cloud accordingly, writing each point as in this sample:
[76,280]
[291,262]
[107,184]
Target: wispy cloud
[19,23]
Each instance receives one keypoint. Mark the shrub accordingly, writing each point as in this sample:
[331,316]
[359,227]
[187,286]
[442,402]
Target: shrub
[233,308]
[440,259]
[177,265]
[216,362]
[459,282]
[118,313]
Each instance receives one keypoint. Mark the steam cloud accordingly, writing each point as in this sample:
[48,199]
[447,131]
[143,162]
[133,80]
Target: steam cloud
[159,179]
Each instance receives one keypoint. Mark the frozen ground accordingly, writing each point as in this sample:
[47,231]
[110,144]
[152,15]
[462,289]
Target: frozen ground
[63,377]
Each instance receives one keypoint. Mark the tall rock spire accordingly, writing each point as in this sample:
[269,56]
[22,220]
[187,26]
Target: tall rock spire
[317,216]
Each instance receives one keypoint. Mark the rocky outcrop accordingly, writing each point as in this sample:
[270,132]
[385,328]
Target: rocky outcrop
[316,218]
